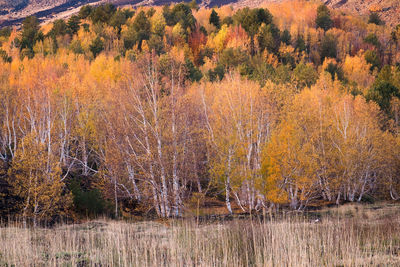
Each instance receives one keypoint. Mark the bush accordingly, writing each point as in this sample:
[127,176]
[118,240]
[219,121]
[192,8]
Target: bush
[374,18]
[193,73]
[335,71]
[102,14]
[328,47]
[305,75]
[372,39]
[218,73]
[85,12]
[4,56]
[372,58]
[5,32]
[96,46]
[231,58]
[88,202]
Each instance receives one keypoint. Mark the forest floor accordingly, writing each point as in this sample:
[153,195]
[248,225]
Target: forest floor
[349,235]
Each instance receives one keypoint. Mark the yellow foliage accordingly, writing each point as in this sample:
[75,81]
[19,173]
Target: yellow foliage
[218,41]
[105,69]
[357,71]
[299,12]
[317,143]
[375,8]
[240,116]
[35,176]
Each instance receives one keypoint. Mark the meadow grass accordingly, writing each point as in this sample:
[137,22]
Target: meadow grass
[349,236]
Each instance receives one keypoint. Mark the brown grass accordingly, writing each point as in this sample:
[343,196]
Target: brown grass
[345,239]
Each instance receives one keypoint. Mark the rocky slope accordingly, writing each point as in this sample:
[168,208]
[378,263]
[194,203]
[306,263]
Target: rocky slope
[389,10]
[13,11]
[8,5]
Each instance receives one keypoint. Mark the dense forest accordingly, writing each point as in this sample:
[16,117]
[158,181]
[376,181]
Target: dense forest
[121,112]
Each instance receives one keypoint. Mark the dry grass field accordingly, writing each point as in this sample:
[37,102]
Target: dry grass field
[346,236]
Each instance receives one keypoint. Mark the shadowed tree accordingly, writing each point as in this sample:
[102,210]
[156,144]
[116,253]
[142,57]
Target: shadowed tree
[214,19]
[74,24]
[328,48]
[30,33]
[374,18]
[323,19]
[251,20]
[141,26]
[96,46]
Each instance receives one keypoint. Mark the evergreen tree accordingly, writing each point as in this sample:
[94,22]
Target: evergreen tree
[323,19]
[251,20]
[286,38]
[74,24]
[96,46]
[141,26]
[214,19]
[300,43]
[85,12]
[30,33]
[60,28]
[372,58]
[328,47]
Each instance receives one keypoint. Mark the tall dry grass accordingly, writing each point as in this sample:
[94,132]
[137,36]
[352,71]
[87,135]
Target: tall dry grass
[292,241]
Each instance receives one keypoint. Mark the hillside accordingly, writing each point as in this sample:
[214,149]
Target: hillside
[389,10]
[9,5]
[12,12]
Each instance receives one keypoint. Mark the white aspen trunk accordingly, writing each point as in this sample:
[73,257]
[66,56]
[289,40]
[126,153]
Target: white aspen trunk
[248,191]
[85,170]
[175,180]
[338,198]
[64,143]
[155,200]
[164,189]
[176,193]
[153,101]
[393,194]
[227,193]
[228,185]
[328,192]
[35,207]
[154,189]
[352,194]
[196,173]
[49,126]
[362,191]
[116,198]
[293,197]
[238,201]
[131,173]
[157,205]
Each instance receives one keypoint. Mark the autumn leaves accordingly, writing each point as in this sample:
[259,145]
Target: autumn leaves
[256,126]
[139,131]
[330,145]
